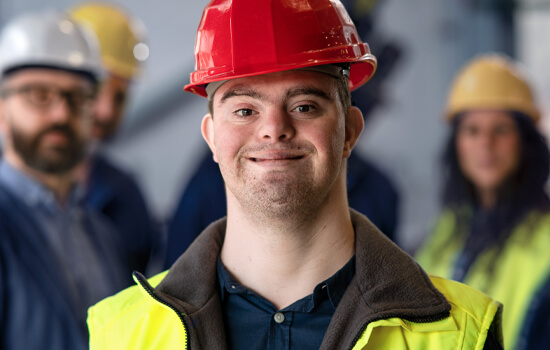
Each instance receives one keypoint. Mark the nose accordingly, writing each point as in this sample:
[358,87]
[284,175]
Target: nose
[61,111]
[276,125]
[487,139]
[103,107]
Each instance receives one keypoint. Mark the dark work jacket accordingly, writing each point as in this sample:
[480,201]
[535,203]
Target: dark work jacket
[34,306]
[388,283]
[115,194]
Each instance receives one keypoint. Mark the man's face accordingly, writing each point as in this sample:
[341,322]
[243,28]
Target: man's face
[45,119]
[488,148]
[110,106]
[280,140]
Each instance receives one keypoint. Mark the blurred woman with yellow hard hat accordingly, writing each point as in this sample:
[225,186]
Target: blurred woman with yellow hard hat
[494,230]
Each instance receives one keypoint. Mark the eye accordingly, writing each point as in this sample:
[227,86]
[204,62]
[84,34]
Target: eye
[119,99]
[41,95]
[78,97]
[504,129]
[468,130]
[244,112]
[304,109]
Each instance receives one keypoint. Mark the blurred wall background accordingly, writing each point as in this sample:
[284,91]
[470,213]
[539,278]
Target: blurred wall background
[160,142]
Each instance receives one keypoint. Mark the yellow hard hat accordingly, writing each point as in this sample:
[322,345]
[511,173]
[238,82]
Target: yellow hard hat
[120,36]
[491,81]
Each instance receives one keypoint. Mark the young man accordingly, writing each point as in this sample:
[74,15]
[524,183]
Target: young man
[291,266]
[371,191]
[56,258]
[109,189]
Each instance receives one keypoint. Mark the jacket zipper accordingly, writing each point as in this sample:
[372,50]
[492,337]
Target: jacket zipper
[143,282]
[434,318]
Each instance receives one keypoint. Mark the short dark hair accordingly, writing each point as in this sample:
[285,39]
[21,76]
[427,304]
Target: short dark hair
[344,93]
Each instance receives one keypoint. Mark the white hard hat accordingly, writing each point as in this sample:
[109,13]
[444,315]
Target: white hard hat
[49,39]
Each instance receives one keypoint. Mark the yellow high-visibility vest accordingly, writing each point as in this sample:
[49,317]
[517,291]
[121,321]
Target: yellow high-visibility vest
[134,319]
[513,275]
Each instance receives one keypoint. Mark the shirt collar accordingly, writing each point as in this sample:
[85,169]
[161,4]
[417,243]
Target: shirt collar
[334,287]
[32,191]
[339,282]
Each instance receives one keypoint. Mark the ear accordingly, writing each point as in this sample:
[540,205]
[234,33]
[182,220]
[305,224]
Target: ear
[354,127]
[207,130]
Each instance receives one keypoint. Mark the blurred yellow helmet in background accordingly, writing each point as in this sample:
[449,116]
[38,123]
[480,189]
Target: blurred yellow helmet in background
[120,36]
[491,81]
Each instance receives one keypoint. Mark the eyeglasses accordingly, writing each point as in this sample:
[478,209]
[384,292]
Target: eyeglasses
[45,96]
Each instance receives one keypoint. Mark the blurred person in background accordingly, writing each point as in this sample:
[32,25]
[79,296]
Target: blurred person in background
[370,190]
[494,230]
[56,257]
[109,189]
[291,266]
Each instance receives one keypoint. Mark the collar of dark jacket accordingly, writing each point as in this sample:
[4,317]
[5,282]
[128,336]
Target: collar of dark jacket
[388,283]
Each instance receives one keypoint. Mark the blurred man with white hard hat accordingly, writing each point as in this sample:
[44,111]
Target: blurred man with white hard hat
[56,257]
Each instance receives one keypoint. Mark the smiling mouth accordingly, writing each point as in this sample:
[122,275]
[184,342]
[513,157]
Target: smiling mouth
[275,159]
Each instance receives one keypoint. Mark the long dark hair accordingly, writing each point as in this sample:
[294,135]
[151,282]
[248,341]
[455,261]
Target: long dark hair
[521,194]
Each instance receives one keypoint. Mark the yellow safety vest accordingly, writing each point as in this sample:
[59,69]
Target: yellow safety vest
[517,274]
[134,319]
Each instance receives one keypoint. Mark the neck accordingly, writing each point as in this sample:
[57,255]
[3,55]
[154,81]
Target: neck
[487,198]
[59,184]
[283,260]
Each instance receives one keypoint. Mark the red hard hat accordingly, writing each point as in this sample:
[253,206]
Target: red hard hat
[241,38]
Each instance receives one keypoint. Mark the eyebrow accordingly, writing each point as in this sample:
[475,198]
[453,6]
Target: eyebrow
[240,92]
[308,90]
[299,91]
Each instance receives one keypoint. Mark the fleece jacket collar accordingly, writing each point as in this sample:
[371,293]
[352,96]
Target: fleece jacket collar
[388,283]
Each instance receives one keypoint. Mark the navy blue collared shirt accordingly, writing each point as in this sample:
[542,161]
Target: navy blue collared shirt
[252,322]
[56,260]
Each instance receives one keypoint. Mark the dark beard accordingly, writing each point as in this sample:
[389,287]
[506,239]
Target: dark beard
[55,160]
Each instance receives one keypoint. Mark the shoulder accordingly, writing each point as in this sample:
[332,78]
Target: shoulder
[105,169]
[102,163]
[108,179]
[116,306]
[475,313]
[477,304]
[442,232]
[7,197]
[473,321]
[136,319]
[531,236]
[538,220]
